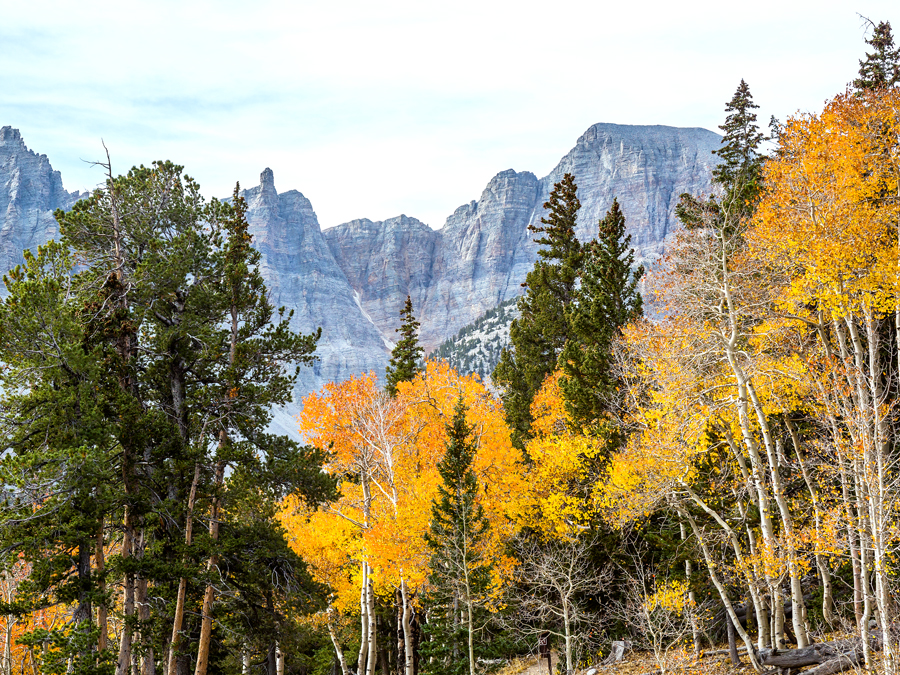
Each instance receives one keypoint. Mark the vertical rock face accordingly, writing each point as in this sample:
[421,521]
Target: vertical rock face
[352,279]
[302,275]
[384,262]
[484,254]
[30,191]
[646,167]
[484,251]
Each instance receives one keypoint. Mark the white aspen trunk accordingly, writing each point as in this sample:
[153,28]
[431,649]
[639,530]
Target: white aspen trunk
[455,624]
[777,615]
[339,653]
[408,656]
[773,452]
[245,662]
[763,634]
[471,630]
[364,621]
[570,667]
[712,567]
[879,498]
[279,660]
[746,396]
[695,631]
[864,576]
[821,562]
[372,649]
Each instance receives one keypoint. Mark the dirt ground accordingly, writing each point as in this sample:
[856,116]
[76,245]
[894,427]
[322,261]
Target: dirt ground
[635,663]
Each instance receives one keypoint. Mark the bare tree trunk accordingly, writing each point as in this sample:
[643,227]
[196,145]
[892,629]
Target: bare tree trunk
[123,666]
[732,644]
[695,630]
[372,649]
[148,663]
[364,620]
[329,613]
[102,612]
[408,656]
[178,622]
[210,592]
[720,587]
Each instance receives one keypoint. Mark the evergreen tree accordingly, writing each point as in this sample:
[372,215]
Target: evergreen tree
[460,576]
[539,334]
[881,67]
[407,354]
[122,379]
[740,169]
[607,299]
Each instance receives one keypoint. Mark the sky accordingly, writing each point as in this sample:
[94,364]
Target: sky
[373,109]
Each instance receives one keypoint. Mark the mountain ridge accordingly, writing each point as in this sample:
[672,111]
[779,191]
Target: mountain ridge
[352,279]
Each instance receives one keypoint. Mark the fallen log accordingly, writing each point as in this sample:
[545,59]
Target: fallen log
[809,656]
[721,652]
[838,665]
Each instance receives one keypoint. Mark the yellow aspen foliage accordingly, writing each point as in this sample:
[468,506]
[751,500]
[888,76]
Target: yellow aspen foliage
[560,461]
[825,221]
[388,450]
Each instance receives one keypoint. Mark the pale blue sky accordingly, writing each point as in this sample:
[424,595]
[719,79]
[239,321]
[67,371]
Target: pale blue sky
[373,109]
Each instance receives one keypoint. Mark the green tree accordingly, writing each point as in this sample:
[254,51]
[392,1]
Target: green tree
[607,299]
[133,385]
[539,334]
[460,575]
[406,356]
[739,172]
[740,168]
[881,67]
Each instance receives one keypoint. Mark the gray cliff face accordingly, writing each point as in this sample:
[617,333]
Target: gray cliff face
[352,279]
[647,167]
[30,191]
[484,251]
[384,262]
[302,275]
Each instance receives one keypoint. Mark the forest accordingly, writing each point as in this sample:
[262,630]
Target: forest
[664,461]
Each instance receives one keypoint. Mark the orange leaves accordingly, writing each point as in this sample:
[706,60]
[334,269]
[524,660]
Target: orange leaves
[388,449]
[827,217]
[558,497]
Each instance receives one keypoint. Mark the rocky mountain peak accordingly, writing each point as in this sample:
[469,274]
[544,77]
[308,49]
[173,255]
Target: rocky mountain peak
[267,180]
[352,279]
[10,135]
[30,191]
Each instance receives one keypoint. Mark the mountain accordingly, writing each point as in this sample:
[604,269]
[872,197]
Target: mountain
[30,191]
[476,348]
[481,255]
[352,279]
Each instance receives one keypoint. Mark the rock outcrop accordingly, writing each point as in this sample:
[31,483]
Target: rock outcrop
[303,276]
[484,251]
[352,279]
[30,191]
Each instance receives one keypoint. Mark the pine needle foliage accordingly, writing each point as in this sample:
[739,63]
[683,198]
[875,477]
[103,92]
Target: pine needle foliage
[740,171]
[539,334]
[881,67]
[607,299]
[460,576]
[406,357]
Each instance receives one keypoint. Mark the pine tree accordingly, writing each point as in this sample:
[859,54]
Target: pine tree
[407,354]
[539,334]
[460,575]
[156,360]
[740,171]
[607,299]
[881,67]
